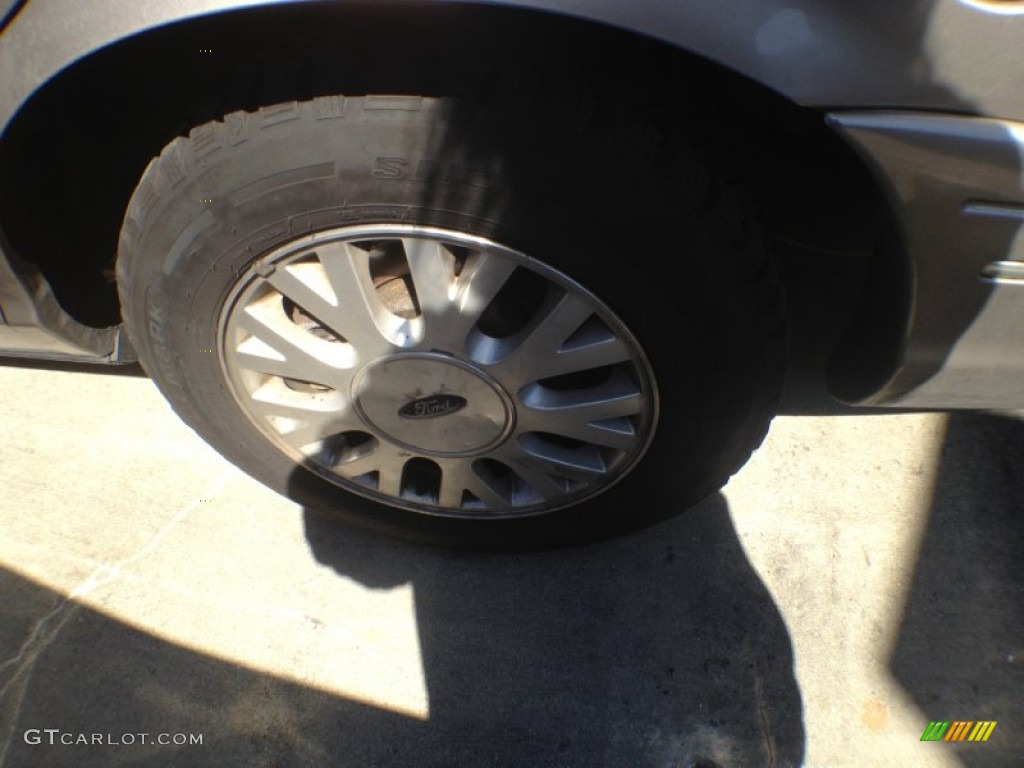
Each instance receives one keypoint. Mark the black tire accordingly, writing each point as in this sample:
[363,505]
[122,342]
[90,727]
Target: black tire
[592,191]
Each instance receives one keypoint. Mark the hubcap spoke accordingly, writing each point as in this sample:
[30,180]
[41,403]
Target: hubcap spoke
[565,416]
[584,357]
[297,410]
[616,397]
[279,348]
[306,285]
[536,354]
[451,306]
[304,419]
[433,274]
[458,477]
[384,462]
[618,433]
[313,432]
[555,326]
[534,473]
[582,463]
[363,320]
[482,276]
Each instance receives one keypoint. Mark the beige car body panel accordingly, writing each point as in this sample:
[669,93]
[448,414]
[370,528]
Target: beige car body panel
[928,91]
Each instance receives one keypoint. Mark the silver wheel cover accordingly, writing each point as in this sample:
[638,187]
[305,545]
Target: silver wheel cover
[437,372]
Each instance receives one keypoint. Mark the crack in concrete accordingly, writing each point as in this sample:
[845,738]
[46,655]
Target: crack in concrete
[46,630]
[38,641]
[762,712]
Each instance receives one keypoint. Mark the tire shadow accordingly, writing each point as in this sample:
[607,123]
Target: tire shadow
[663,648]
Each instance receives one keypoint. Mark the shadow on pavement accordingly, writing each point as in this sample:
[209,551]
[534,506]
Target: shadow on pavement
[960,647]
[84,673]
[663,648]
[660,649]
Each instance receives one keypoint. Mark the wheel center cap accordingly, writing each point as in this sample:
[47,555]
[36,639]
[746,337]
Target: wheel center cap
[433,404]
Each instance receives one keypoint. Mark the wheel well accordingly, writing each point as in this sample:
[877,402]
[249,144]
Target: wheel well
[72,156]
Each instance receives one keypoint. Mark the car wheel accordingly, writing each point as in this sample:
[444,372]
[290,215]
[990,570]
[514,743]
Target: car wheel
[471,325]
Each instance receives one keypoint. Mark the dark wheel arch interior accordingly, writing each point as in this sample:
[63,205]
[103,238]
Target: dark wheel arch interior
[72,156]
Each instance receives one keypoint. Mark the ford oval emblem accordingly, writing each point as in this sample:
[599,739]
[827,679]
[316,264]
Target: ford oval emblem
[432,407]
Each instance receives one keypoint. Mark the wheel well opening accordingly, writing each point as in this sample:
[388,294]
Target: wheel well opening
[72,156]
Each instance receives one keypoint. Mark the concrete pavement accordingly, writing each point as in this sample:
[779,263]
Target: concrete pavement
[859,578]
